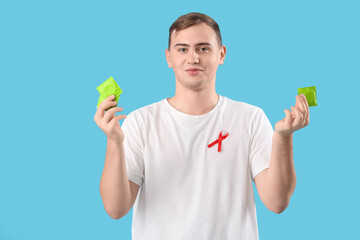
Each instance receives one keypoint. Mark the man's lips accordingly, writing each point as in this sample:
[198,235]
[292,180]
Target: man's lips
[193,71]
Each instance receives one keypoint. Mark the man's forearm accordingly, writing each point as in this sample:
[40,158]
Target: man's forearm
[114,184]
[281,176]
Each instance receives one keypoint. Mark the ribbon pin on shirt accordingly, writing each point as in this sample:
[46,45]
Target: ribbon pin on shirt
[222,136]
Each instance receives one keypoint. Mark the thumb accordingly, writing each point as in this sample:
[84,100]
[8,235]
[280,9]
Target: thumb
[288,115]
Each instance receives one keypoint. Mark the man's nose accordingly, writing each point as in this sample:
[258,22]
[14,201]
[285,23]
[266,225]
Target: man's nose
[193,57]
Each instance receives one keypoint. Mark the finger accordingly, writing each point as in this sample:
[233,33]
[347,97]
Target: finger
[307,118]
[110,113]
[298,117]
[301,106]
[304,97]
[116,119]
[101,109]
[299,103]
[105,104]
[306,108]
[288,117]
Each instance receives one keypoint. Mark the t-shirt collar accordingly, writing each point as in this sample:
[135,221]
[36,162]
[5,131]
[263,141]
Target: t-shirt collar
[190,117]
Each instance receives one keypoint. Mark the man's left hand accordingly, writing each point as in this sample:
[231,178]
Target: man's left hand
[295,120]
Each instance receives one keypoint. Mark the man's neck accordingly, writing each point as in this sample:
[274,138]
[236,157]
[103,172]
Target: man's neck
[194,103]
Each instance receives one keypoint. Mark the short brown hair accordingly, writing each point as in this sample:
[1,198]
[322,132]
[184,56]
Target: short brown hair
[192,19]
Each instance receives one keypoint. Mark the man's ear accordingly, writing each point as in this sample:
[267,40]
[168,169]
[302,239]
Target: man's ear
[167,54]
[222,54]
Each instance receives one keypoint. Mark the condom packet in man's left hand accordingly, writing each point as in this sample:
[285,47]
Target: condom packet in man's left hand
[107,88]
[310,94]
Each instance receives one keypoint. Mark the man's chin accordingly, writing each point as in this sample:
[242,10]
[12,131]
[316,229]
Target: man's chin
[194,83]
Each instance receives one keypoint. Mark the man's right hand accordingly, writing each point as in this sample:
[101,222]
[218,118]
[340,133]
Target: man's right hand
[108,121]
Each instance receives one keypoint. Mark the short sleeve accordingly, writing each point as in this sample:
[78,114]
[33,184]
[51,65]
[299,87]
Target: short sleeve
[260,143]
[133,148]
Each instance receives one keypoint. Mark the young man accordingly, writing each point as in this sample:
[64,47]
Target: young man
[187,163]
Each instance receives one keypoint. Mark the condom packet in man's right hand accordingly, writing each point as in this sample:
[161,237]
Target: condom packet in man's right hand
[107,88]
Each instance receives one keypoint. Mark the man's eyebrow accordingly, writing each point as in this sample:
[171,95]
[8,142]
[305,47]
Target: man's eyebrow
[187,45]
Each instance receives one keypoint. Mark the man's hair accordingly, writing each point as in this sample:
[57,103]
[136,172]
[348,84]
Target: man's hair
[192,19]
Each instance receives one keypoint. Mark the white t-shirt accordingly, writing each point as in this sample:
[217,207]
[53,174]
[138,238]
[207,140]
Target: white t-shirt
[189,191]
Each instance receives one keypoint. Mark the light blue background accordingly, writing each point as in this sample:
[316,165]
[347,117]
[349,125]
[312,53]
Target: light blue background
[55,53]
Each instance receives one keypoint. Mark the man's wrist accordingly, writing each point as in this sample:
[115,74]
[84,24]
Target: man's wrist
[115,140]
[283,135]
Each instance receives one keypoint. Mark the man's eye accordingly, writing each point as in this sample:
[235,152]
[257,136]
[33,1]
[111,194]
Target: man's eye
[204,49]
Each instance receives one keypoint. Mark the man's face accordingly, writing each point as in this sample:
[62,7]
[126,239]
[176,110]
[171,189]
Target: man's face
[195,47]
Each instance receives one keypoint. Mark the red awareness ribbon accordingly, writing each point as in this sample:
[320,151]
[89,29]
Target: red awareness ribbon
[219,140]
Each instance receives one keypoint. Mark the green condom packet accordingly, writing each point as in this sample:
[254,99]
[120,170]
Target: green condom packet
[310,94]
[107,88]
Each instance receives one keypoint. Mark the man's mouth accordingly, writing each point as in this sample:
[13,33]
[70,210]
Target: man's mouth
[193,72]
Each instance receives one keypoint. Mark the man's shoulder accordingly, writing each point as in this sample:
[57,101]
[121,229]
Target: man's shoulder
[241,107]
[147,109]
